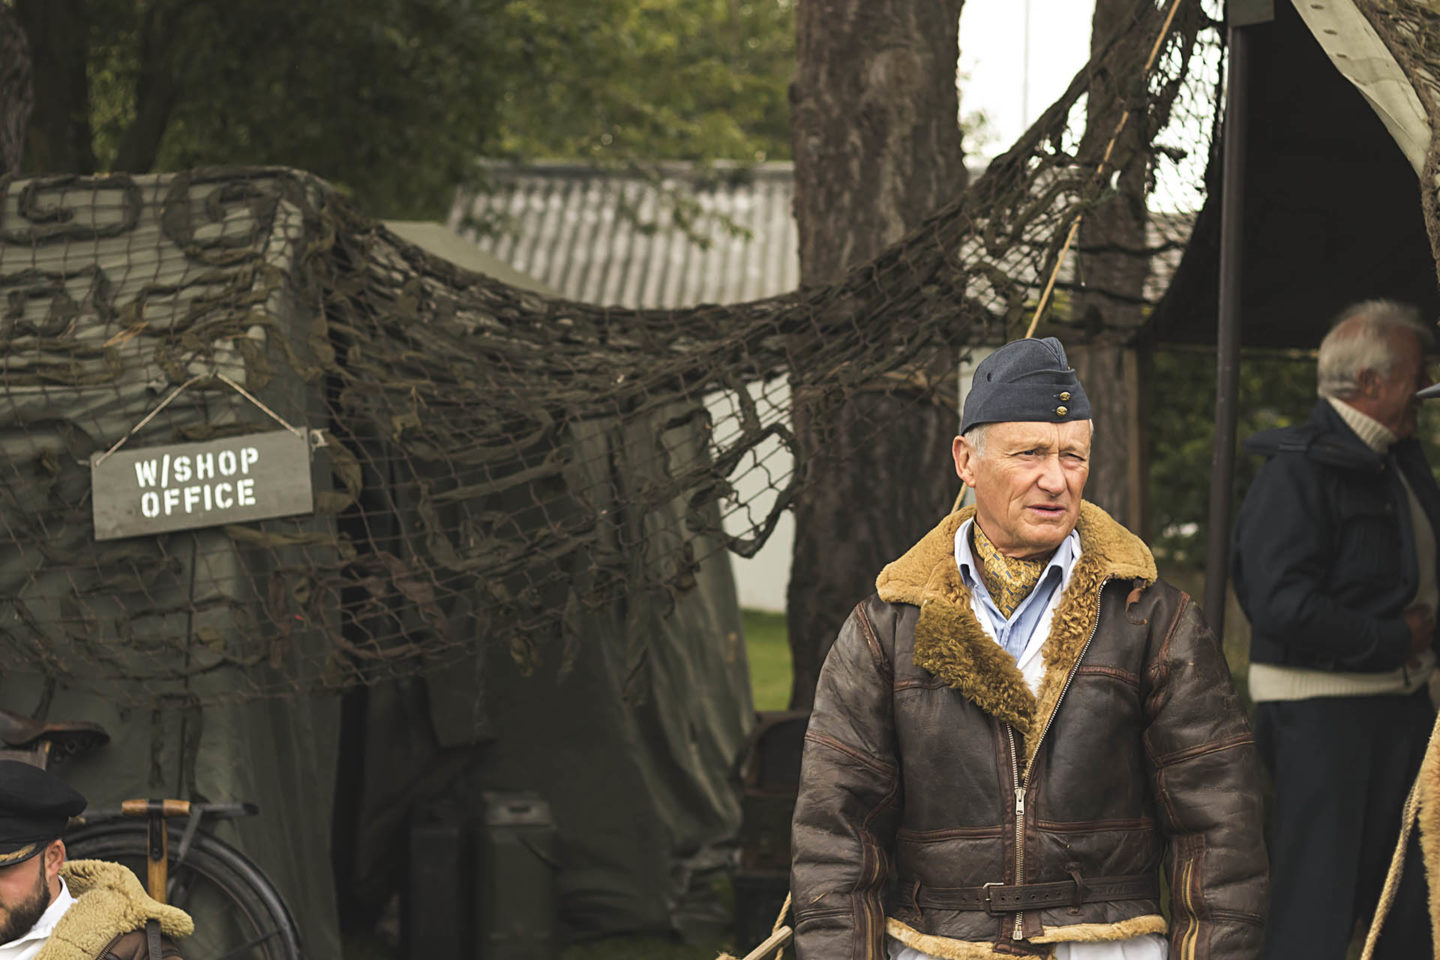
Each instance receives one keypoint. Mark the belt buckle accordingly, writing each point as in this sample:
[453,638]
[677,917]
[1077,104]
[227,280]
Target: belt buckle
[990,903]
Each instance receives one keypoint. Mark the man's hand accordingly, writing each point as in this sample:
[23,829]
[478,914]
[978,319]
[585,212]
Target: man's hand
[1421,621]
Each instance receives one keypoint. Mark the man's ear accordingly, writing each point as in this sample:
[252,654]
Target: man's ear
[54,859]
[965,457]
[1368,381]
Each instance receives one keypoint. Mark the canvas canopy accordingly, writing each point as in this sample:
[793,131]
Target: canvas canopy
[1336,138]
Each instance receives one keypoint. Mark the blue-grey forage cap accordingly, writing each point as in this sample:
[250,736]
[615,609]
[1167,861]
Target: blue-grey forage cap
[1025,380]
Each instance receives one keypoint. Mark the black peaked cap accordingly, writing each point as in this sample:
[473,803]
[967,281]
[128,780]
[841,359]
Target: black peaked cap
[35,805]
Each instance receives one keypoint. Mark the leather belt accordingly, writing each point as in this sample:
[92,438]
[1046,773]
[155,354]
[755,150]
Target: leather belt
[997,898]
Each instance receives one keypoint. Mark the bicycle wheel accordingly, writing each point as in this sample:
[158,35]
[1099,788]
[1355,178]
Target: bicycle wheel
[238,913]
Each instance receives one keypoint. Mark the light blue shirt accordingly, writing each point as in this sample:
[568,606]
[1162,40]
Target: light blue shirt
[1014,633]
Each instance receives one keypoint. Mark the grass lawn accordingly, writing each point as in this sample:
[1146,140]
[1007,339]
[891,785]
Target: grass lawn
[768,647]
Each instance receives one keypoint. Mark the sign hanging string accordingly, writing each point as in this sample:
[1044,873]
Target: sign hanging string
[298,431]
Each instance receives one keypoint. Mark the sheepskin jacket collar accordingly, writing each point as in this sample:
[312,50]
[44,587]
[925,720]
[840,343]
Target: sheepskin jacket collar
[109,902]
[951,644]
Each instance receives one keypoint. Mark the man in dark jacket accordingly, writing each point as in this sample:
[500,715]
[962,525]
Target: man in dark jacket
[51,909]
[1335,560]
[1011,737]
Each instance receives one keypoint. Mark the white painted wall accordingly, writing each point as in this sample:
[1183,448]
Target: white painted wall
[761,580]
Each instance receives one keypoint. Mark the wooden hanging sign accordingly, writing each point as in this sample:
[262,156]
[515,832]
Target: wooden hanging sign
[184,486]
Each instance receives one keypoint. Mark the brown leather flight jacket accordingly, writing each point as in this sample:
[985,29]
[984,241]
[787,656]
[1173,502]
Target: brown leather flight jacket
[136,945]
[943,803]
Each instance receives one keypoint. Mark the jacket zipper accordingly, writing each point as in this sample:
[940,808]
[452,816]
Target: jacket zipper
[1015,934]
[1022,785]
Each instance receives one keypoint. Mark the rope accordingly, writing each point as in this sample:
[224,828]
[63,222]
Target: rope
[1099,172]
[1397,860]
[779,924]
[148,417]
[298,431]
[779,936]
[1397,867]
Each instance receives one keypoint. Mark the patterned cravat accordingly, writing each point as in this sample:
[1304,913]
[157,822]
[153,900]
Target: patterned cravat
[1009,580]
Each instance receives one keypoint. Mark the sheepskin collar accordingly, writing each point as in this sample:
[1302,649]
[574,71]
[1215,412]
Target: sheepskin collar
[109,901]
[951,644]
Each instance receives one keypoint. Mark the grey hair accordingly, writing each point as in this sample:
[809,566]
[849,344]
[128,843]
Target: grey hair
[1362,339]
[975,436]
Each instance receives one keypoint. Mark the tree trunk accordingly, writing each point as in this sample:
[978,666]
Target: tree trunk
[59,139]
[877,147]
[1114,378]
[16,93]
[1109,308]
[157,90]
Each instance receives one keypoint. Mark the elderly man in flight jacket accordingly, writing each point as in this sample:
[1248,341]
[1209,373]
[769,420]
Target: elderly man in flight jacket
[1023,724]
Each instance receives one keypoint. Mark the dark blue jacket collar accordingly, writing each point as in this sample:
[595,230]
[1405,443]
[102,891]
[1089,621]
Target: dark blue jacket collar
[1324,437]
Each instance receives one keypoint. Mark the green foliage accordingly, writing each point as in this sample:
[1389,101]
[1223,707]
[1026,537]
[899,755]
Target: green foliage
[395,100]
[390,99]
[651,79]
[1274,392]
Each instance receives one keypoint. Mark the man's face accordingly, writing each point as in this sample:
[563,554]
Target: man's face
[1028,483]
[24,895]
[1392,399]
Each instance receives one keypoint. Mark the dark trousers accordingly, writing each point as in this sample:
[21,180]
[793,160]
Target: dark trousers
[1341,768]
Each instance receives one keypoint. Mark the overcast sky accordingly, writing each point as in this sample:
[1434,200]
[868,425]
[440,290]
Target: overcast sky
[993,61]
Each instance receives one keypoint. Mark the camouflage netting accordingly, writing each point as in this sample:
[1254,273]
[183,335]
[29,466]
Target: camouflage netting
[497,468]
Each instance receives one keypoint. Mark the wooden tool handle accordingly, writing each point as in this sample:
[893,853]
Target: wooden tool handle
[167,808]
[772,943]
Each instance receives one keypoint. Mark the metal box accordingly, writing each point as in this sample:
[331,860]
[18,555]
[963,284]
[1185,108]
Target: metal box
[515,890]
[437,920]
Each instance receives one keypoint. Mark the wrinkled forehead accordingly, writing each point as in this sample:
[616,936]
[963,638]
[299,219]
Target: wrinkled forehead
[1033,433]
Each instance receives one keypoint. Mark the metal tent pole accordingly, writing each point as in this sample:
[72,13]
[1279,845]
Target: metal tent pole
[1227,347]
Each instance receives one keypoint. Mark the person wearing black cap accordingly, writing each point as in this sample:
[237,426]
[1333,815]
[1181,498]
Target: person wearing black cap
[51,909]
[1023,723]
[1334,564]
